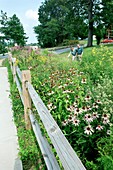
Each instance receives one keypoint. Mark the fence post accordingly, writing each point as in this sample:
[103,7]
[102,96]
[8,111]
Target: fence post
[26,76]
[14,68]
[10,60]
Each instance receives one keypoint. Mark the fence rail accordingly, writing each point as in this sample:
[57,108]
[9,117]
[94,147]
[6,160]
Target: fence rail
[67,155]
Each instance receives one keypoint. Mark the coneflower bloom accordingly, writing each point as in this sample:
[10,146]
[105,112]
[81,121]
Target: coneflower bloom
[77,110]
[106,121]
[83,81]
[108,132]
[70,118]
[99,127]
[95,105]
[84,109]
[98,101]
[88,118]
[87,98]
[88,130]
[65,122]
[76,122]
[105,116]
[95,115]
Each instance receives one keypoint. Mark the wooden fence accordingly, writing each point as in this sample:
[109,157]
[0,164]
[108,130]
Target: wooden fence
[67,155]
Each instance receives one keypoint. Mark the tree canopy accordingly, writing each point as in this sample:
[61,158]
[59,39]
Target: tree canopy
[68,19]
[12,29]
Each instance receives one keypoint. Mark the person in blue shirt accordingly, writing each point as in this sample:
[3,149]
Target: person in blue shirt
[79,52]
[72,52]
[76,53]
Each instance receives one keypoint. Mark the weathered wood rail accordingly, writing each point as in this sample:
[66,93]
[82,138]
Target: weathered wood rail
[67,155]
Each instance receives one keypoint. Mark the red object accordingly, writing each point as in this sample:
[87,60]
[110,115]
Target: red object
[107,41]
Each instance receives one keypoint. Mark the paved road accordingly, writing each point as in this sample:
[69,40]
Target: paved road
[59,51]
[3,56]
[62,50]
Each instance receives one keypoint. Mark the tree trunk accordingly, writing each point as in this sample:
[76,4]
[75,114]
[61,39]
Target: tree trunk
[90,19]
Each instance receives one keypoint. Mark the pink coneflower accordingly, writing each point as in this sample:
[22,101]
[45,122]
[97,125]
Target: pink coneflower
[99,127]
[77,110]
[105,116]
[65,122]
[76,122]
[87,98]
[88,118]
[83,81]
[106,121]
[70,118]
[88,108]
[98,101]
[108,132]
[84,109]
[95,115]
[95,105]
[88,130]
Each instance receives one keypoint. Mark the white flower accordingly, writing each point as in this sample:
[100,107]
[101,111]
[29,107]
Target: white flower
[88,118]
[88,130]
[65,122]
[83,81]
[106,121]
[76,122]
[105,116]
[108,132]
[77,110]
[99,127]
[98,101]
[95,115]
[87,98]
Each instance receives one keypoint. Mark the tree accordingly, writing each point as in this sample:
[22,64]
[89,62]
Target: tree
[12,29]
[57,23]
[73,19]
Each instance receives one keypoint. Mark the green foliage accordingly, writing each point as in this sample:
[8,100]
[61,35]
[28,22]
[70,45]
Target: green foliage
[57,23]
[12,29]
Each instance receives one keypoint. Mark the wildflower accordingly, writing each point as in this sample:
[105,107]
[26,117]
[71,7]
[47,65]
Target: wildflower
[95,105]
[51,93]
[95,115]
[70,118]
[88,130]
[88,118]
[105,116]
[98,101]
[76,122]
[87,98]
[84,109]
[83,81]
[65,122]
[99,127]
[59,87]
[77,110]
[108,132]
[106,121]
[88,108]
[49,105]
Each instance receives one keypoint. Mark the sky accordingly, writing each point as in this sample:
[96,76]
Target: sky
[26,11]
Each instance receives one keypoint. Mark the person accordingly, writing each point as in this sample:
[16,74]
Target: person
[79,52]
[73,52]
[76,53]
